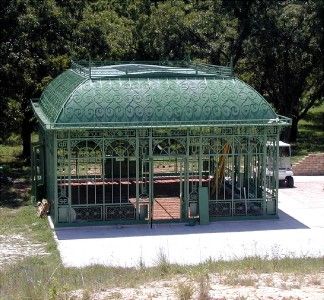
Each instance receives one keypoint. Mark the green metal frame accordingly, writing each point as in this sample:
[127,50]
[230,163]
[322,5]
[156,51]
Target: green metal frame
[248,190]
[120,171]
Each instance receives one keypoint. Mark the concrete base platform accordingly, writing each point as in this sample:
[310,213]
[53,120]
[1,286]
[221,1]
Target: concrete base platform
[299,232]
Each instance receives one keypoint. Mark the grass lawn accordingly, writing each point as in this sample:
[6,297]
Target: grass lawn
[310,134]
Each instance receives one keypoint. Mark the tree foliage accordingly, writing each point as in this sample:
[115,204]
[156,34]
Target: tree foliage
[276,46]
[32,51]
[284,55]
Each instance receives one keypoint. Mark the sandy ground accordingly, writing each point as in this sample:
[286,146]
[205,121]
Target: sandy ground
[15,247]
[250,286]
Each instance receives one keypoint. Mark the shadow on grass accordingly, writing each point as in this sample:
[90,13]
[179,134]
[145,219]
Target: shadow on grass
[15,192]
[13,198]
[310,139]
[310,133]
[17,169]
[316,117]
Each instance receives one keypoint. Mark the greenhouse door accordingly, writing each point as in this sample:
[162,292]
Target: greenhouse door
[167,189]
[37,172]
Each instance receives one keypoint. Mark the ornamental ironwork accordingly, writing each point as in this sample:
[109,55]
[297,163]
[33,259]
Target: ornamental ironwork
[220,209]
[93,213]
[116,139]
[126,212]
[175,97]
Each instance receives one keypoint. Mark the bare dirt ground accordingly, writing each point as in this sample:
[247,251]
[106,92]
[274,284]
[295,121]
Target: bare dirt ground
[216,286]
[16,247]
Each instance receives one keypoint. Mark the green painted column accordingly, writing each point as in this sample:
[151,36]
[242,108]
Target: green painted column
[137,174]
[151,177]
[55,179]
[264,176]
[277,170]
[185,203]
[69,177]
[203,206]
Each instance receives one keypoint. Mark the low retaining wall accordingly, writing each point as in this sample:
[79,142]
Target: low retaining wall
[312,164]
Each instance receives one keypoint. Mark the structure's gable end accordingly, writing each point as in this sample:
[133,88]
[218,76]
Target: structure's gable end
[57,92]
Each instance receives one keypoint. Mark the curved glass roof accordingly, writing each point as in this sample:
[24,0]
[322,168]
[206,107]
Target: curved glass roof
[131,95]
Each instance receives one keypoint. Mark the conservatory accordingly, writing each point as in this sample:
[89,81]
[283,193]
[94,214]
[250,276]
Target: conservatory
[127,143]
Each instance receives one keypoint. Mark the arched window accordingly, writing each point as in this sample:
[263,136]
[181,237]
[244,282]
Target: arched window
[86,157]
[86,173]
[120,171]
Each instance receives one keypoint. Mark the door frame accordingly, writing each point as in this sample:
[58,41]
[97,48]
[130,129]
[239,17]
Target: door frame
[38,171]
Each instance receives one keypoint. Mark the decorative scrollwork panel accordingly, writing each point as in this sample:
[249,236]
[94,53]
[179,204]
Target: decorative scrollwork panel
[220,209]
[126,212]
[91,213]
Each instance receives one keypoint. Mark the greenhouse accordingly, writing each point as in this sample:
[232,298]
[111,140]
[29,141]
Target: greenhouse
[129,143]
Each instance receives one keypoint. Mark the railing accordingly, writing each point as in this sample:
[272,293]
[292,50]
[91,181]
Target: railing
[78,68]
[118,69]
[97,212]
[280,121]
[222,71]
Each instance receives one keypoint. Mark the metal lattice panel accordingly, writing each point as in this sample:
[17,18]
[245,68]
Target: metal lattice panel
[126,212]
[164,100]
[220,209]
[93,213]
[57,92]
[254,208]
[239,208]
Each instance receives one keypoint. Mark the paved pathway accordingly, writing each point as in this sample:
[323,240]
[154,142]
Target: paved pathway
[299,232]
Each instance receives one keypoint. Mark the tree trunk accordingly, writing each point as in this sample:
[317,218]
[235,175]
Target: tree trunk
[26,131]
[293,132]
[289,134]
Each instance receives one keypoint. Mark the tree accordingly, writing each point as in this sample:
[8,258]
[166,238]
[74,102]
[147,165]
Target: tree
[276,46]
[103,34]
[180,30]
[284,54]
[33,50]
